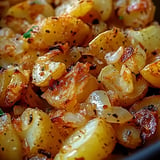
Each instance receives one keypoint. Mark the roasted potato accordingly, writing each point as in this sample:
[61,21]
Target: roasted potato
[44,70]
[151,73]
[54,30]
[80,144]
[30,10]
[98,9]
[146,37]
[122,86]
[137,13]
[129,135]
[39,133]
[10,142]
[113,38]
[13,82]
[134,58]
[72,88]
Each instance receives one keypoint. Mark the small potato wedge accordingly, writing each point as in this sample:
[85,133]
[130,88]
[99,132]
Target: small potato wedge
[30,10]
[52,31]
[12,83]
[128,135]
[39,132]
[75,8]
[80,9]
[146,37]
[123,89]
[108,41]
[151,73]
[71,88]
[10,143]
[149,102]
[95,140]
[137,13]
[44,70]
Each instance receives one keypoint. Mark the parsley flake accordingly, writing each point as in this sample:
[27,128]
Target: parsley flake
[121,17]
[34,2]
[1,112]
[28,33]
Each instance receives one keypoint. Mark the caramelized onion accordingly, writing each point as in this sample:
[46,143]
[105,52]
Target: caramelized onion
[116,114]
[113,57]
[100,98]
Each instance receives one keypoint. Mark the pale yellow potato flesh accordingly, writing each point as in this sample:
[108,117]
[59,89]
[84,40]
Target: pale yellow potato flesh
[95,140]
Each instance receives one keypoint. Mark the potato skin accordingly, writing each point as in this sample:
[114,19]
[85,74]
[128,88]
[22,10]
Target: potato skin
[80,144]
[5,78]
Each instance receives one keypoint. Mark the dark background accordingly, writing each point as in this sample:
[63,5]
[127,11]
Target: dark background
[157,15]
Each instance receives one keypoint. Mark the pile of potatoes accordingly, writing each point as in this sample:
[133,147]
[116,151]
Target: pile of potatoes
[75,77]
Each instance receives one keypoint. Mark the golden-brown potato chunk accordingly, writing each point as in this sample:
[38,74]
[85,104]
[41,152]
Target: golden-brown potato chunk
[39,133]
[123,87]
[30,10]
[135,13]
[73,87]
[10,143]
[54,30]
[151,73]
[95,140]
[13,81]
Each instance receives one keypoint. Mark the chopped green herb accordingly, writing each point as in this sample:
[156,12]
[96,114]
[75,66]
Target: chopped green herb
[35,2]
[1,112]
[121,17]
[28,33]
[43,68]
